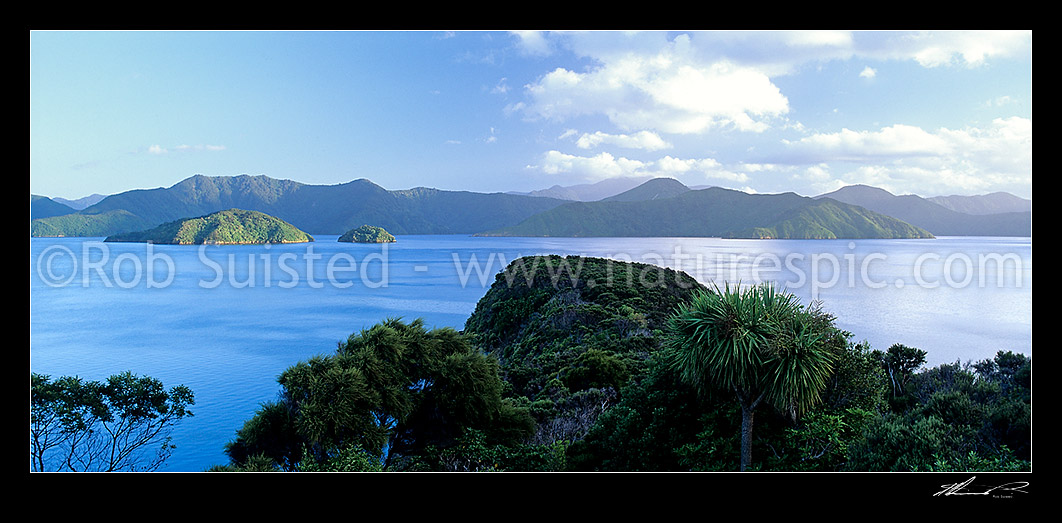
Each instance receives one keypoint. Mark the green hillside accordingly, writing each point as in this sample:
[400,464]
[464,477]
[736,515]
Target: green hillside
[88,224]
[713,212]
[829,220]
[233,226]
[934,217]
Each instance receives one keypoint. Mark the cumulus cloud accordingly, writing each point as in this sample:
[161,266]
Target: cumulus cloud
[703,81]
[645,140]
[900,156]
[944,48]
[890,142]
[534,43]
[669,90]
[604,165]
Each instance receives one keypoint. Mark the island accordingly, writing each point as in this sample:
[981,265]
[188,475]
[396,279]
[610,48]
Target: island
[229,227]
[367,234]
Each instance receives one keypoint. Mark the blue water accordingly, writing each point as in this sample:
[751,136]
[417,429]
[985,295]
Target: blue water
[227,320]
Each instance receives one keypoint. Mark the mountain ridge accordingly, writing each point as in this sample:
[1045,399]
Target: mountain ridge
[713,212]
[932,216]
[318,209]
[336,208]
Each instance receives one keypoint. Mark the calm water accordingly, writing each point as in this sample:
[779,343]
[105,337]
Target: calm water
[226,321]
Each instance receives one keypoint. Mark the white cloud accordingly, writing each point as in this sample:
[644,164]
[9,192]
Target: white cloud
[891,142]
[701,81]
[568,133]
[645,140]
[501,87]
[532,43]
[912,160]
[605,165]
[158,149]
[1000,101]
[599,167]
[668,90]
[936,49]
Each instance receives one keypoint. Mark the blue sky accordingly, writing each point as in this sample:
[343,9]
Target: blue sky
[928,113]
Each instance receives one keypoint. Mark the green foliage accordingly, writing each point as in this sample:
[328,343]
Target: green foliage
[588,322]
[664,423]
[473,452]
[651,428]
[900,363]
[352,458]
[121,424]
[390,394]
[760,343]
[257,463]
[955,417]
[234,226]
[367,234]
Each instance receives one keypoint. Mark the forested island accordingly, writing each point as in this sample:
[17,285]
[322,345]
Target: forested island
[229,227]
[367,234]
[588,364]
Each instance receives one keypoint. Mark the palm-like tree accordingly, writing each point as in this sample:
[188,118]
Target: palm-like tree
[758,342]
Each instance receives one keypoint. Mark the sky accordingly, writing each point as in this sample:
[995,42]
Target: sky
[927,113]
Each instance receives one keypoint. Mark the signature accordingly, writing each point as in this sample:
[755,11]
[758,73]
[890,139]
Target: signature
[959,489]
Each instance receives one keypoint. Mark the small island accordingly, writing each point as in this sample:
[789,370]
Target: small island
[367,234]
[230,227]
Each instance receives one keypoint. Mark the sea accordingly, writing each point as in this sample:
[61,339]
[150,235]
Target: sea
[227,320]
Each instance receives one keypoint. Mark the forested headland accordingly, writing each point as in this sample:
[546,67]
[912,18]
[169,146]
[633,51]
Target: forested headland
[588,364]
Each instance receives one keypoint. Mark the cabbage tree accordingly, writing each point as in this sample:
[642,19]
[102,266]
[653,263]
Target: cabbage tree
[757,342]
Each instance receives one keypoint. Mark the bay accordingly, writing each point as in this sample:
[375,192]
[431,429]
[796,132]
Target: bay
[227,320]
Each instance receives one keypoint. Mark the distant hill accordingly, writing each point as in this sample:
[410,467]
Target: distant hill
[102,224]
[654,189]
[714,212]
[932,216]
[44,207]
[318,209]
[992,203]
[232,226]
[82,202]
[589,192]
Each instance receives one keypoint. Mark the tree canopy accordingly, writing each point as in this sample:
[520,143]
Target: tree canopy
[394,392]
[121,424]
